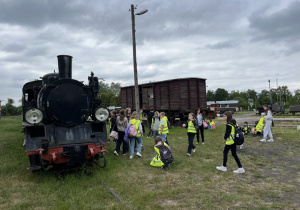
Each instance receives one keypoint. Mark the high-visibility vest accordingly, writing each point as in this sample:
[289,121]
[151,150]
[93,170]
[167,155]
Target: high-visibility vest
[156,161]
[136,125]
[229,140]
[141,117]
[166,129]
[260,125]
[191,127]
[211,123]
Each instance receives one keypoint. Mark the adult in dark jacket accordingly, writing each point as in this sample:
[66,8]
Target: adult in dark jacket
[229,144]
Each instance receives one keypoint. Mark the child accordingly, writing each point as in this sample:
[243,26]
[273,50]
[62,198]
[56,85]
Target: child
[155,124]
[246,128]
[156,160]
[191,132]
[259,127]
[268,118]
[229,144]
[212,124]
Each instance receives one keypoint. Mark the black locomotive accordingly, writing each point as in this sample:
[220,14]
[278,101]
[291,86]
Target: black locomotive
[63,120]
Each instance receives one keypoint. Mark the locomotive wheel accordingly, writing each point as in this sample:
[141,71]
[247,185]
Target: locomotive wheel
[101,161]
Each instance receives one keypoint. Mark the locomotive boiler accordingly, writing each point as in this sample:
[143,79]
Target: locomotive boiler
[63,120]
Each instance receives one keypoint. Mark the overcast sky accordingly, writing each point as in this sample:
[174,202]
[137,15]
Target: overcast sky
[234,44]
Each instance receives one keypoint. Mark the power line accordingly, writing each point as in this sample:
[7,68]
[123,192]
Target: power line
[106,35]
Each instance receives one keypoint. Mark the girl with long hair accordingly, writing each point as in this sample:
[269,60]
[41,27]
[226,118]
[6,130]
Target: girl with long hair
[229,144]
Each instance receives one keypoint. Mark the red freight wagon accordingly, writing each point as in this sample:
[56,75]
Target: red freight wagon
[175,97]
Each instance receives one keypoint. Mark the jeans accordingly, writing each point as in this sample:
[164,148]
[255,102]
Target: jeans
[155,133]
[201,129]
[132,144]
[163,137]
[191,145]
[231,147]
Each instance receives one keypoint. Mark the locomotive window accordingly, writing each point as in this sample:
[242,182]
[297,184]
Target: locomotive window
[29,95]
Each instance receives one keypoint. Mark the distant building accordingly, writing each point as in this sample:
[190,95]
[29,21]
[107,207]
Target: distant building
[222,106]
[230,103]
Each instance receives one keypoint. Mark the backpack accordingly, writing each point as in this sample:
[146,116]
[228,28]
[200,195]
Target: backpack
[238,137]
[132,130]
[165,154]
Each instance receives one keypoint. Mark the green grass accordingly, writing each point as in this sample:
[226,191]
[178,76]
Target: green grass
[271,179]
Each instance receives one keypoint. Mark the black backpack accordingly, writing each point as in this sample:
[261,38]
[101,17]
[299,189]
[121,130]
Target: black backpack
[238,138]
[165,154]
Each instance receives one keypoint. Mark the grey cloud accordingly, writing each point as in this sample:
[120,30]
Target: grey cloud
[223,45]
[282,25]
[14,47]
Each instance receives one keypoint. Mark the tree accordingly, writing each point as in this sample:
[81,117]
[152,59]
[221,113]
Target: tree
[110,94]
[221,94]
[210,96]
[264,97]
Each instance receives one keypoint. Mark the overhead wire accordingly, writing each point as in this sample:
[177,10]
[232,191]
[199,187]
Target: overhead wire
[106,35]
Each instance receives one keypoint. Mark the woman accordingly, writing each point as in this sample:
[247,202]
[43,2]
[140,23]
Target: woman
[200,118]
[229,144]
[191,126]
[268,122]
[128,113]
[113,126]
[121,123]
[138,126]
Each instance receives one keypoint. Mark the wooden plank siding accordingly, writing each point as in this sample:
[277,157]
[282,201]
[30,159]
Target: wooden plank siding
[174,95]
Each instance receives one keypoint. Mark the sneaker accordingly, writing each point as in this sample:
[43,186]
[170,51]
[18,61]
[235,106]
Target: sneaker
[202,142]
[194,150]
[197,142]
[116,153]
[148,137]
[124,153]
[221,168]
[270,140]
[138,154]
[188,154]
[263,140]
[242,147]
[131,157]
[239,171]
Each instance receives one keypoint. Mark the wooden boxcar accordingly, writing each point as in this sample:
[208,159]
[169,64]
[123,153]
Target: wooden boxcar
[175,97]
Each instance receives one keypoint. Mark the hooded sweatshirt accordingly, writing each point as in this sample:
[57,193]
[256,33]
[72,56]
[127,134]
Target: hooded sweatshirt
[155,126]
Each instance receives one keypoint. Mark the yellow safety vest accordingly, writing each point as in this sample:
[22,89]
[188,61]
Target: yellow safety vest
[136,125]
[166,129]
[229,140]
[212,123]
[141,117]
[156,161]
[191,127]
[260,125]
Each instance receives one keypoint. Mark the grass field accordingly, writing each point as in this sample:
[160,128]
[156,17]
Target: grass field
[272,178]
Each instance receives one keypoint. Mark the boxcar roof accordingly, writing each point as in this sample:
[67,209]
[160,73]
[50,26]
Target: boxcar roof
[149,83]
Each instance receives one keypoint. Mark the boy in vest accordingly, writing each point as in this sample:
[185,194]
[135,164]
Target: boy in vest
[246,128]
[163,127]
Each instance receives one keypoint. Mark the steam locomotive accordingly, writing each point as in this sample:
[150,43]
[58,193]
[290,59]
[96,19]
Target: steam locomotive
[63,120]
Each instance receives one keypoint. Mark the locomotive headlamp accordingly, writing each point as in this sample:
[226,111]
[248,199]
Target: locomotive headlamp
[33,116]
[101,114]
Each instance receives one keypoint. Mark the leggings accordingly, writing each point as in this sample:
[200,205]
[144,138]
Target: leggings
[231,147]
[201,129]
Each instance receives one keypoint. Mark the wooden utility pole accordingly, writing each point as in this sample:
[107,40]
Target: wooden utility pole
[136,86]
[270,93]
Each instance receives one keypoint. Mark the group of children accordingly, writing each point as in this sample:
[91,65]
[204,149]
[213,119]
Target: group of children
[160,130]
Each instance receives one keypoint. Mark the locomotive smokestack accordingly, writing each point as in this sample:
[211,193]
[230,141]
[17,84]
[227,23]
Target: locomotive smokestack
[65,66]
